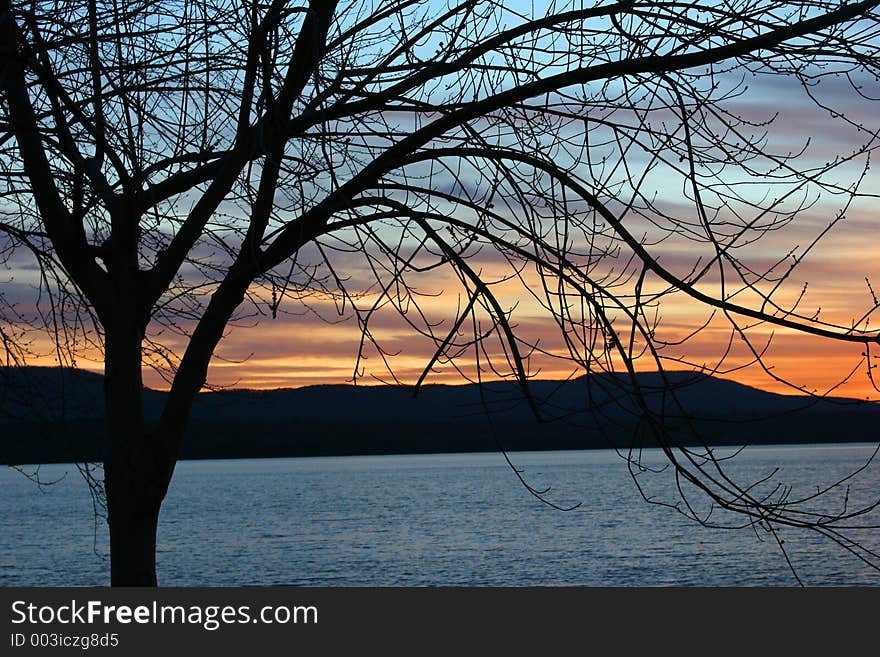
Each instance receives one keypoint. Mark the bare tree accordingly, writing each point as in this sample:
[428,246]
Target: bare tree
[173,166]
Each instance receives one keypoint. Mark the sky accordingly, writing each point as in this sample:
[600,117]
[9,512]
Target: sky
[304,349]
[317,344]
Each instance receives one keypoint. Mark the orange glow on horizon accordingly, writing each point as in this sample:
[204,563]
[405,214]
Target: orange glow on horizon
[816,365]
[301,350]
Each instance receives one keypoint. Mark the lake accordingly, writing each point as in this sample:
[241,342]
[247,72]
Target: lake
[456,520]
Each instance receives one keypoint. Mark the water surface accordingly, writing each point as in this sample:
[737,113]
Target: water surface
[461,519]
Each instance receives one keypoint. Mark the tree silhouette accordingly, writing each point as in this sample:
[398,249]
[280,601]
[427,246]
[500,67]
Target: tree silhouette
[171,166]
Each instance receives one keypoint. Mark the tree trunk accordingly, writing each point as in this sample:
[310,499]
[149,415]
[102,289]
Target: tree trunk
[133,522]
[137,468]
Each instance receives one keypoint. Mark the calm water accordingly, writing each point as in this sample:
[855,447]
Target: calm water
[432,520]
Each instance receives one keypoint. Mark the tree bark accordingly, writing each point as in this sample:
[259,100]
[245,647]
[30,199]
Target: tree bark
[133,521]
[137,468]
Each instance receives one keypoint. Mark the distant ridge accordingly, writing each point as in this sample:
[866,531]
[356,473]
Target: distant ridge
[56,415]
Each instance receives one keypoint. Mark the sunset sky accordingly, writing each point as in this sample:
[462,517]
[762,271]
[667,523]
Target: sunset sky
[300,348]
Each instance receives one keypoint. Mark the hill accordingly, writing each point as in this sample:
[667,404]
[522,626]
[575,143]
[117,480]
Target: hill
[50,415]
